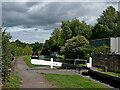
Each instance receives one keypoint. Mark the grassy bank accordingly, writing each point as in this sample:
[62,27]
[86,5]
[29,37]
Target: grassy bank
[71,81]
[14,82]
[109,72]
[27,59]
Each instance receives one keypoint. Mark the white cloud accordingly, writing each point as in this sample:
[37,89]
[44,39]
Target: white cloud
[29,35]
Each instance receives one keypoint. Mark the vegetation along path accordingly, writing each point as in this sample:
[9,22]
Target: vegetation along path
[30,79]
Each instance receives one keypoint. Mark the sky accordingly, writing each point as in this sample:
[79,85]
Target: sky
[34,21]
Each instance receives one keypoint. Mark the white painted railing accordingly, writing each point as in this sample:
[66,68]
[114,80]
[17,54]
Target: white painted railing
[44,62]
[90,62]
[51,63]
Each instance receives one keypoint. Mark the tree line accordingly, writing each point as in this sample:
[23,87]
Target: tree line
[72,39]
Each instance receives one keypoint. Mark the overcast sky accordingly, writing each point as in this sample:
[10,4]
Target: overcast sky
[35,21]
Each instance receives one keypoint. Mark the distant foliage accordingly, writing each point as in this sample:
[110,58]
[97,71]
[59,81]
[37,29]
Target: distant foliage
[20,49]
[28,50]
[36,46]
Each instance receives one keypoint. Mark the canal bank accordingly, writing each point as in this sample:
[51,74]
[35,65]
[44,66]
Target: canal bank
[110,79]
[91,74]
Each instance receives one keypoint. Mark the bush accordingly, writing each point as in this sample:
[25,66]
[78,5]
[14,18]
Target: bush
[102,50]
[87,51]
[72,46]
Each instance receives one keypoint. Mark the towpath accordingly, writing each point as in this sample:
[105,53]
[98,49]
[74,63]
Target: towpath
[29,78]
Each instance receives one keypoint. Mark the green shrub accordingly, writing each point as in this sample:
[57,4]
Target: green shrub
[102,50]
[71,48]
[87,51]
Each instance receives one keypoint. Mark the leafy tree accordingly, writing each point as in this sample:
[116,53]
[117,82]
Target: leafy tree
[107,25]
[37,46]
[19,43]
[28,50]
[6,56]
[118,25]
[19,48]
[56,37]
[80,28]
[72,46]
[101,31]
[66,33]
[86,51]
[47,48]
[102,50]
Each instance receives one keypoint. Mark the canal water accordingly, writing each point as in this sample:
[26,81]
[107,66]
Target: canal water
[47,58]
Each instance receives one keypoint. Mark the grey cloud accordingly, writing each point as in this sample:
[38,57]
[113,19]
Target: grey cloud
[14,6]
[39,19]
[49,13]
[29,4]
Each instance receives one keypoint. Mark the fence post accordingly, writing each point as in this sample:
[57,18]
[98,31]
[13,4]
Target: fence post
[105,69]
[90,61]
[51,63]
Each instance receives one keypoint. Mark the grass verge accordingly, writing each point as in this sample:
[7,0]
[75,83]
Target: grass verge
[109,72]
[14,81]
[17,57]
[82,64]
[71,81]
[27,59]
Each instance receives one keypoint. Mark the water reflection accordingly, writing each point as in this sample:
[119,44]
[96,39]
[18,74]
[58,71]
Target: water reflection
[47,58]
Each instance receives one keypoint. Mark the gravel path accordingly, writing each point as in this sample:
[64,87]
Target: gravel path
[30,79]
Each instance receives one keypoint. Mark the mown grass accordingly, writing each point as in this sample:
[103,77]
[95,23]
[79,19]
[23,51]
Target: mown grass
[27,59]
[109,72]
[82,64]
[71,81]
[14,82]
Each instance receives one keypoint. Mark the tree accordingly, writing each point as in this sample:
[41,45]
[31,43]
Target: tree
[47,48]
[28,50]
[6,56]
[37,46]
[80,28]
[56,37]
[72,46]
[66,33]
[19,43]
[101,31]
[107,24]
[117,32]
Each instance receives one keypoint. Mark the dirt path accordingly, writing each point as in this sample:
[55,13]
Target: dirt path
[30,79]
